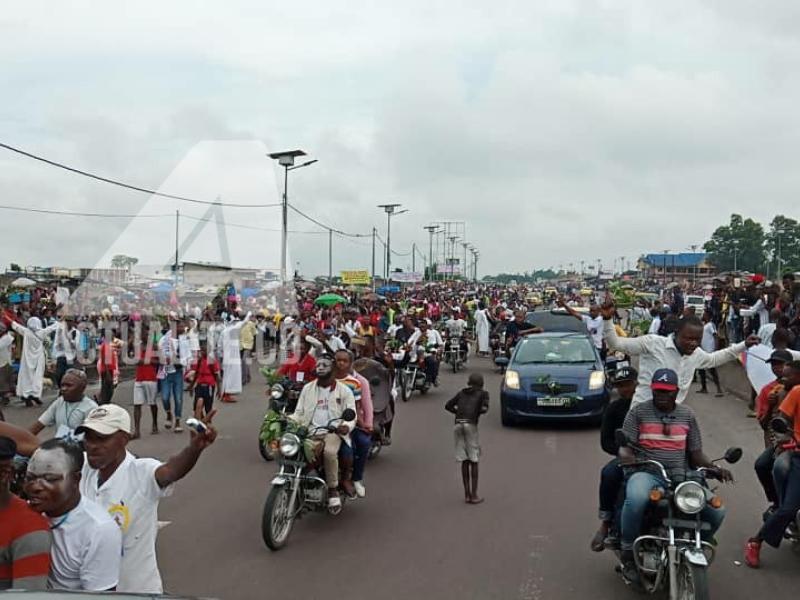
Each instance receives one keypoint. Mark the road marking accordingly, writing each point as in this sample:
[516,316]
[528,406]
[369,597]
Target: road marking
[551,443]
[162,524]
[531,587]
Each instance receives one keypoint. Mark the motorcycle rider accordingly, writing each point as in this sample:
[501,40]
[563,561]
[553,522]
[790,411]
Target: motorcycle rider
[431,344]
[774,527]
[612,475]
[354,458]
[320,402]
[456,326]
[667,432]
[300,368]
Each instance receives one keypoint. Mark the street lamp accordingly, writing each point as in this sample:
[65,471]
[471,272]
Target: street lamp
[391,210]
[286,160]
[431,229]
[778,233]
[453,239]
[735,255]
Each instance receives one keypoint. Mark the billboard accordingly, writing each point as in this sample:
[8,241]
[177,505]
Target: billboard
[356,278]
[448,269]
[407,277]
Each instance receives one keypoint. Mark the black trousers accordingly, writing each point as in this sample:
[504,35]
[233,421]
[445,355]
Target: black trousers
[714,378]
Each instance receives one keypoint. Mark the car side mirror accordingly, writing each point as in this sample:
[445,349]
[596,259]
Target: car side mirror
[733,455]
[348,415]
[620,438]
[501,361]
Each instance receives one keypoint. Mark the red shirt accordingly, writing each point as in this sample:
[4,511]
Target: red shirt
[107,358]
[293,368]
[205,372]
[761,400]
[25,540]
[148,369]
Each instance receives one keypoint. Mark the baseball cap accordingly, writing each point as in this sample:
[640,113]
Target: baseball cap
[625,374]
[783,356]
[106,419]
[8,448]
[664,379]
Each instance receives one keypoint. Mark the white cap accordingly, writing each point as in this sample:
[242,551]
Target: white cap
[107,419]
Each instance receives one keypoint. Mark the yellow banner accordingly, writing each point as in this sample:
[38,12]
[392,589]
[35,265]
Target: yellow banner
[356,278]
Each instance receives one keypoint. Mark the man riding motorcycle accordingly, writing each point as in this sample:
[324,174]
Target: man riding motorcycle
[320,402]
[456,327]
[302,367]
[431,344]
[667,432]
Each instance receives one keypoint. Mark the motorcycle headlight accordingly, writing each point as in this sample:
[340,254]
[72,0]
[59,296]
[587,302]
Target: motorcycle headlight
[597,380]
[512,380]
[276,391]
[290,445]
[690,497]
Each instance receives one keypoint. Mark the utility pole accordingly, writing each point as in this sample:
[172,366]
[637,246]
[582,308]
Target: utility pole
[373,258]
[330,256]
[464,245]
[430,229]
[452,255]
[390,210]
[177,225]
[414,257]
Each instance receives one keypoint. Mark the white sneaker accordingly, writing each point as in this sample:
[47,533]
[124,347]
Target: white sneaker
[361,491]
[334,502]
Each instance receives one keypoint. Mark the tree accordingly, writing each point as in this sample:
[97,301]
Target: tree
[738,245]
[122,261]
[15,267]
[783,245]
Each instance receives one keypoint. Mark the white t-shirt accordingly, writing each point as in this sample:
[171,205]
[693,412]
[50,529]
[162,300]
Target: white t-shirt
[322,412]
[6,341]
[709,342]
[66,416]
[766,332]
[595,327]
[86,551]
[655,325]
[131,497]
[456,327]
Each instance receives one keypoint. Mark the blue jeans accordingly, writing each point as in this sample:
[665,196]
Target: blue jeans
[431,370]
[611,479]
[772,473]
[773,529]
[362,441]
[172,386]
[637,499]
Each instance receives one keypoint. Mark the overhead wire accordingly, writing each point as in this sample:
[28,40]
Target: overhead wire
[129,186]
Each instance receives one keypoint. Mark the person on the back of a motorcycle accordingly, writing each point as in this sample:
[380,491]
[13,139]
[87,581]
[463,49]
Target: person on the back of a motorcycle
[354,458]
[430,342]
[300,368]
[667,432]
[789,492]
[320,402]
[456,326]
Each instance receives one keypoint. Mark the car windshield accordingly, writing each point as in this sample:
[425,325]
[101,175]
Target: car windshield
[555,350]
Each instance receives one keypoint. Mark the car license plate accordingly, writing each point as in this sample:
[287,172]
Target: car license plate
[553,401]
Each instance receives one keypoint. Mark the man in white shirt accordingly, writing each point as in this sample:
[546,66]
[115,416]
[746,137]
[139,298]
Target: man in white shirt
[65,348]
[593,322]
[680,352]
[68,411]
[175,352]
[767,330]
[130,488]
[709,345]
[86,549]
[6,370]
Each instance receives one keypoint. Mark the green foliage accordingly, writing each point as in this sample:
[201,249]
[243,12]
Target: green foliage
[624,295]
[783,243]
[271,375]
[738,245]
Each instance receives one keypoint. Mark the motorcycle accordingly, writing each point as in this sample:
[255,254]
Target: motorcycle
[282,401]
[412,378]
[670,555]
[299,486]
[454,353]
[792,533]
[380,383]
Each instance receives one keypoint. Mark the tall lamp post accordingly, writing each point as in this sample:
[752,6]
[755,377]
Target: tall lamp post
[453,240]
[286,160]
[735,255]
[391,210]
[431,229]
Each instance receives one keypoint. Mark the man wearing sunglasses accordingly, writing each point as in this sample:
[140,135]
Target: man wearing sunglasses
[665,431]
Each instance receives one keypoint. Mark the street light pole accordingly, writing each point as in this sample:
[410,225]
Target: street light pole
[430,229]
[374,231]
[390,210]
[330,256]
[453,240]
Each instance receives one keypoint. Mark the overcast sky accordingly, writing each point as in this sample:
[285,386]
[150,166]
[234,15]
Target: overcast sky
[558,131]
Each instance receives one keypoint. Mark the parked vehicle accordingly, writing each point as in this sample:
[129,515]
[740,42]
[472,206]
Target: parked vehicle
[670,556]
[696,302]
[299,487]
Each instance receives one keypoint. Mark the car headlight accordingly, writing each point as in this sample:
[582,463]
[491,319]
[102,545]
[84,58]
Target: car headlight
[512,380]
[276,391]
[290,444]
[597,380]
[690,497]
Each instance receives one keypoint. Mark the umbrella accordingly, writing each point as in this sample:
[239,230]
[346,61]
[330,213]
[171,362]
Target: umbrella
[23,282]
[330,300]
[372,297]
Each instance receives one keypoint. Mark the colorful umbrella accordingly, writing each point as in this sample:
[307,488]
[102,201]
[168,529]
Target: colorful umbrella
[330,300]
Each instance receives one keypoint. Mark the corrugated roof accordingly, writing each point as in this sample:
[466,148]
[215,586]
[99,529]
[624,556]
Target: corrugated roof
[682,259]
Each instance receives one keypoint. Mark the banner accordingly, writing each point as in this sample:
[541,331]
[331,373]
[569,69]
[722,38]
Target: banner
[407,277]
[356,278]
[448,269]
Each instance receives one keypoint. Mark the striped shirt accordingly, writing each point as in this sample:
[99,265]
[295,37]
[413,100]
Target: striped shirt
[24,547]
[665,437]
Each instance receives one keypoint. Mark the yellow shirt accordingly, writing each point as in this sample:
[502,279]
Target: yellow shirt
[247,336]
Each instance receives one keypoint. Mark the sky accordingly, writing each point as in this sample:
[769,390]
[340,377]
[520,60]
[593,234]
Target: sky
[558,131]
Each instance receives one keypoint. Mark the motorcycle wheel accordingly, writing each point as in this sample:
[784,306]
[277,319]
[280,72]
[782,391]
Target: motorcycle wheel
[267,453]
[408,387]
[692,582]
[277,520]
[454,364]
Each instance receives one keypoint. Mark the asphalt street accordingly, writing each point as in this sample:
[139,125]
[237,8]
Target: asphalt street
[413,536]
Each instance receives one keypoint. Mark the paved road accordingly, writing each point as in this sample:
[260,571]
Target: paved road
[413,536]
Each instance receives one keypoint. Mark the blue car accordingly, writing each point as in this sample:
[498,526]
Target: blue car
[555,375]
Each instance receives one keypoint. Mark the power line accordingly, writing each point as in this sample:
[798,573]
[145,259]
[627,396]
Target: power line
[80,214]
[128,186]
[333,229]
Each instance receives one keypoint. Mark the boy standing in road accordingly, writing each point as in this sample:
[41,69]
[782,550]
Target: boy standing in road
[468,405]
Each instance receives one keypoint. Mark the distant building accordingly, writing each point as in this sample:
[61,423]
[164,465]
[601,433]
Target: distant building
[683,265]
